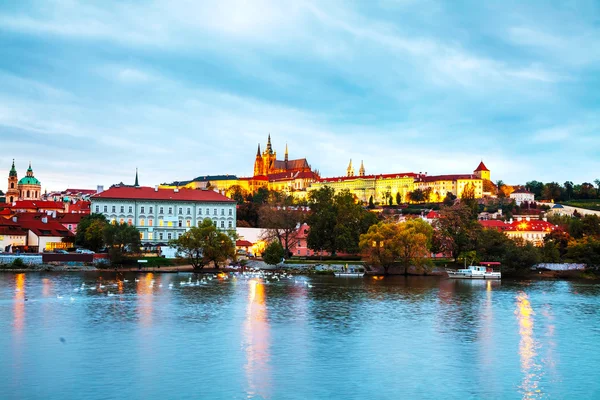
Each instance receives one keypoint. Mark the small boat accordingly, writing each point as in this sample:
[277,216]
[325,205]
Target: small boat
[349,272]
[483,271]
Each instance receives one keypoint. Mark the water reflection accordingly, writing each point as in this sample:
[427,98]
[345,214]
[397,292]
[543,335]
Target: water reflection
[19,303]
[144,289]
[256,342]
[527,351]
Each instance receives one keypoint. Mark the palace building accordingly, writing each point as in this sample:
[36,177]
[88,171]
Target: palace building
[27,188]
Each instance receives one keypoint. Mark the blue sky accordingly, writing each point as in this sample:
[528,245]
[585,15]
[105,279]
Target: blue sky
[90,90]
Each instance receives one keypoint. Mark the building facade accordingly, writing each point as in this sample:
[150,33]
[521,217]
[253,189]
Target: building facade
[27,188]
[521,196]
[164,214]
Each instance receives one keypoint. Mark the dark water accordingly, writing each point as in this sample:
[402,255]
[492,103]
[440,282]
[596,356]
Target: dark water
[339,339]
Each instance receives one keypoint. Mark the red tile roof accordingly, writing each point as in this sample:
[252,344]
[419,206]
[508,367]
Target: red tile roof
[494,224]
[481,167]
[36,205]
[455,177]
[50,228]
[380,176]
[243,243]
[149,193]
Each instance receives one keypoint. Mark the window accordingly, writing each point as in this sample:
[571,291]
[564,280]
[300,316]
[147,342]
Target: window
[230,211]
[180,223]
[199,211]
[222,211]
[160,236]
[70,227]
[207,211]
[12,185]
[169,236]
[215,211]
[189,211]
[142,209]
[170,223]
[114,209]
[150,235]
[180,210]
[97,209]
[130,209]
[151,210]
[230,224]
[150,222]
[160,210]
[122,209]
[121,221]
[129,221]
[170,210]
[160,222]
[105,208]
[188,223]
[222,224]
[142,222]
[141,235]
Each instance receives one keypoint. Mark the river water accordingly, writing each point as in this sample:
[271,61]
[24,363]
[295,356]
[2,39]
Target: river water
[326,338]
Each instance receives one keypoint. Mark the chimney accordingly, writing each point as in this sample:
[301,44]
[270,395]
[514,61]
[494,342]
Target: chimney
[510,221]
[99,189]
[176,190]
[54,214]
[45,220]
[156,188]
[14,219]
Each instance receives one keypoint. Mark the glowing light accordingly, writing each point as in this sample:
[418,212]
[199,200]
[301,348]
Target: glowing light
[524,314]
[256,342]
[19,300]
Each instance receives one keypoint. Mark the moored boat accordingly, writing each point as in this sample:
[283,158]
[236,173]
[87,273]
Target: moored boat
[349,274]
[486,270]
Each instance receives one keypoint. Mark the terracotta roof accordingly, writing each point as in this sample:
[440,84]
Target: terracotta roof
[12,230]
[287,176]
[494,224]
[291,164]
[525,191]
[365,177]
[36,204]
[82,207]
[149,193]
[532,225]
[481,167]
[50,228]
[432,215]
[455,177]
[243,243]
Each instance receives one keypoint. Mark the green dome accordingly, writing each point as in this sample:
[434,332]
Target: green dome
[29,180]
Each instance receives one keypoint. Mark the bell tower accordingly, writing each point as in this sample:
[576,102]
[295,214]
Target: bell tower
[12,194]
[350,169]
[258,163]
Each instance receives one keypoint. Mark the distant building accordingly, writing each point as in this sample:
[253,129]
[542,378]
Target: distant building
[521,196]
[163,214]
[531,230]
[27,188]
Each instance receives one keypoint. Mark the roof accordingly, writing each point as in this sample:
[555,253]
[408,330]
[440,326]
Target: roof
[432,215]
[481,167]
[365,177]
[29,180]
[50,228]
[79,191]
[205,178]
[80,207]
[455,177]
[494,224]
[532,225]
[524,191]
[557,206]
[243,243]
[291,165]
[149,193]
[286,176]
[12,230]
[36,204]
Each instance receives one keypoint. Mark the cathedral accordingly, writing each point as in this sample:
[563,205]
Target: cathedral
[28,188]
[267,164]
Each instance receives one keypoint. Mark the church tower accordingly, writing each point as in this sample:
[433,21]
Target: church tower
[361,171]
[482,172]
[12,194]
[258,163]
[269,157]
[29,187]
[350,170]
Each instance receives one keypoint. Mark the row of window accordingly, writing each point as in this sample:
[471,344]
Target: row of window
[161,210]
[180,223]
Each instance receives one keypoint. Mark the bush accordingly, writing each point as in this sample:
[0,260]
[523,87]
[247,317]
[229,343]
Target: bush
[18,263]
[334,258]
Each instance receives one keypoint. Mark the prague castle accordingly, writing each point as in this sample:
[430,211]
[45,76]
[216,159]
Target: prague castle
[297,178]
[28,188]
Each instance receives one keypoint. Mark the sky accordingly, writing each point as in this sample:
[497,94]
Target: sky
[90,90]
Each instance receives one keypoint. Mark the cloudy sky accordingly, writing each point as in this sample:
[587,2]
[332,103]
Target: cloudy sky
[89,90]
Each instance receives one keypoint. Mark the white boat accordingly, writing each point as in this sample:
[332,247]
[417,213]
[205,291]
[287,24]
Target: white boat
[483,271]
[349,274]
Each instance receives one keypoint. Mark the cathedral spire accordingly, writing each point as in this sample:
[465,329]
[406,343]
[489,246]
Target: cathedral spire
[269,147]
[361,171]
[350,170]
[258,151]
[286,153]
[29,170]
[137,184]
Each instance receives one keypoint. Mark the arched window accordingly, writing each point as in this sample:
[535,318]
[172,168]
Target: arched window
[11,199]
[28,194]
[12,185]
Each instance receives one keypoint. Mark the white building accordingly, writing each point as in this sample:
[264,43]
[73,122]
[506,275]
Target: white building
[521,195]
[164,214]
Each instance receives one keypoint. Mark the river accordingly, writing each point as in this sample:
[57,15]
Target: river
[135,336]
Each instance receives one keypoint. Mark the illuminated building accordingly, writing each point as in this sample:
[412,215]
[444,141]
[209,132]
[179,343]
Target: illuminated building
[530,230]
[383,187]
[522,195]
[27,188]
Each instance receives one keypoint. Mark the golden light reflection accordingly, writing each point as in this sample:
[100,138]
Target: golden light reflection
[19,302]
[46,287]
[145,299]
[256,342]
[524,314]
[487,329]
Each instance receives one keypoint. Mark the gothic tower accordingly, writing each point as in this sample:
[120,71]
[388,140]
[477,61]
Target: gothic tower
[350,170]
[269,157]
[361,171]
[258,163]
[12,194]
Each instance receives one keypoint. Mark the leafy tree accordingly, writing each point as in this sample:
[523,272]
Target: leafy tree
[449,199]
[552,191]
[371,204]
[120,238]
[398,198]
[237,193]
[535,187]
[568,189]
[550,252]
[94,240]
[205,244]
[597,182]
[322,220]
[274,253]
[585,251]
[281,223]
[456,230]
[417,196]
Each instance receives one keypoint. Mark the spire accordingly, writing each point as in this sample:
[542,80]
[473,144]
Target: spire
[286,152]
[361,171]
[29,170]
[269,148]
[258,151]
[350,170]
[137,184]
[13,171]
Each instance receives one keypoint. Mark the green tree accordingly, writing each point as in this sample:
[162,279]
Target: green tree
[204,244]
[281,222]
[121,238]
[237,193]
[417,196]
[449,199]
[371,204]
[568,189]
[398,198]
[94,240]
[274,253]
[322,220]
[456,230]
[535,187]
